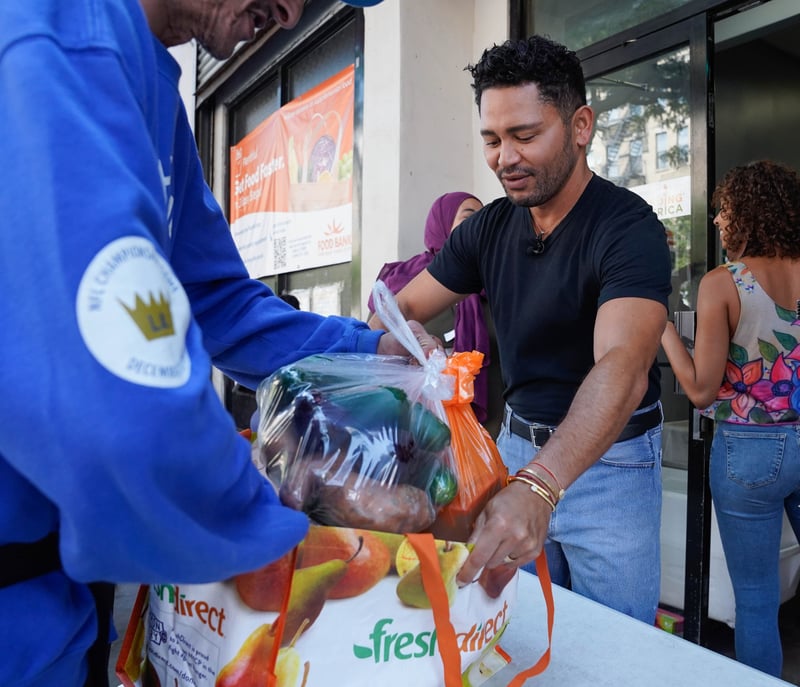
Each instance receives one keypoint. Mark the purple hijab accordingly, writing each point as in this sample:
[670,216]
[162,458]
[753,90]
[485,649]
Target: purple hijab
[470,328]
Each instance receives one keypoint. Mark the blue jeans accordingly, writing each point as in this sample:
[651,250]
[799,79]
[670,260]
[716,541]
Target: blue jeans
[755,474]
[604,536]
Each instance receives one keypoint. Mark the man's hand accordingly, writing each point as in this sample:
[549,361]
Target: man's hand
[389,345]
[510,531]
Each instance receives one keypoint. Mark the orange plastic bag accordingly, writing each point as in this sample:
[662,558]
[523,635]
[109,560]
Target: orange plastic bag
[478,466]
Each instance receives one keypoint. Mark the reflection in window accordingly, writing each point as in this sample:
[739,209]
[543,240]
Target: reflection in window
[639,111]
[683,142]
[662,159]
[579,23]
[325,60]
[641,140]
[255,109]
[612,155]
[615,114]
[635,159]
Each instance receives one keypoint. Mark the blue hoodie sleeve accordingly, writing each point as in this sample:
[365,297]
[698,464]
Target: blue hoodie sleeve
[109,426]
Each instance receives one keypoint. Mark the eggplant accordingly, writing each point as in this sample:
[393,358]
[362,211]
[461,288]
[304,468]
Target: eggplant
[369,410]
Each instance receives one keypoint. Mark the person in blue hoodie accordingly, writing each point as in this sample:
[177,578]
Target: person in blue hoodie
[121,286]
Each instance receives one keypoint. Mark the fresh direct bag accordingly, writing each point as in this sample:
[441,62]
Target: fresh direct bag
[351,607]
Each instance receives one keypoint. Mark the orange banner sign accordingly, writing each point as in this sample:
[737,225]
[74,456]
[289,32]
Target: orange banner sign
[292,184]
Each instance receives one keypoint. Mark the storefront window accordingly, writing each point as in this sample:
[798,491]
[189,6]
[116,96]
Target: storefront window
[641,141]
[579,23]
[324,289]
[661,150]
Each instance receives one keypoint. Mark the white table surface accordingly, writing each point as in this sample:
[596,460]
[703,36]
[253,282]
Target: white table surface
[594,646]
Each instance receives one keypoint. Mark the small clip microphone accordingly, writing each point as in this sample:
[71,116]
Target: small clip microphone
[535,246]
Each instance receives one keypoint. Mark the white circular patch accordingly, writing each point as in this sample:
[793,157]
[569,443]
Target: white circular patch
[133,314]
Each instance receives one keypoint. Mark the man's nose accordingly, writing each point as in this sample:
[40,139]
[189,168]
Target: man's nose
[509,155]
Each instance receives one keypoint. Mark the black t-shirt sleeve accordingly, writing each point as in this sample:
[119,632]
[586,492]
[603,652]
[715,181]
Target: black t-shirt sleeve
[633,259]
[456,266]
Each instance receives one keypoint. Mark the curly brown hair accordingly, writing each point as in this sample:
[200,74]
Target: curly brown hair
[554,69]
[762,202]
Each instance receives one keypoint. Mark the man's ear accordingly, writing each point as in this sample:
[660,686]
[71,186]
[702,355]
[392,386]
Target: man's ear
[582,123]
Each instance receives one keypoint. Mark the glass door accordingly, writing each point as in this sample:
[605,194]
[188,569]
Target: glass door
[643,130]
[652,135]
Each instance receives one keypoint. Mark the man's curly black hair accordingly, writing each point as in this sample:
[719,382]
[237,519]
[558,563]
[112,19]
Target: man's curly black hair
[762,203]
[554,69]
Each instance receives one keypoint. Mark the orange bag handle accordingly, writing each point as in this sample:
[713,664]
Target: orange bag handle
[547,590]
[133,646]
[433,584]
[280,622]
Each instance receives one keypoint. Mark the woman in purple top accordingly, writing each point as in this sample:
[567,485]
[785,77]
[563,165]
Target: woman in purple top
[468,326]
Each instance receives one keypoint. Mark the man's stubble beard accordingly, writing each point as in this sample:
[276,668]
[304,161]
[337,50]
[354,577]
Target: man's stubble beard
[549,182]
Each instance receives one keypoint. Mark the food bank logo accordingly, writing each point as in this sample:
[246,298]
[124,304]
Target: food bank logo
[385,645]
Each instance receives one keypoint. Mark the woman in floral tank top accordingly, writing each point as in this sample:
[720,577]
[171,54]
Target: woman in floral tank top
[745,374]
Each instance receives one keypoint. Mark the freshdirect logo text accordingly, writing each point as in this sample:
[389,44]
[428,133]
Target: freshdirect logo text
[384,646]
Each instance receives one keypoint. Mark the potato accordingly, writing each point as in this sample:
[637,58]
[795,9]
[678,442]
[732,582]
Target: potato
[364,503]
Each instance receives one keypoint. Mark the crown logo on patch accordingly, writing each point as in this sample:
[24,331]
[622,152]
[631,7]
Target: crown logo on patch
[154,319]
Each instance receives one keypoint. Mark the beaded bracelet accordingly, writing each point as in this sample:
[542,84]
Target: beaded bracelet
[535,488]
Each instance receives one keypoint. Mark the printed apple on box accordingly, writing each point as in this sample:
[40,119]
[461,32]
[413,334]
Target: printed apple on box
[357,608]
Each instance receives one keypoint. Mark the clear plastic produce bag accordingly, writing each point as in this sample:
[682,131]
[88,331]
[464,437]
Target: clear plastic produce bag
[360,440]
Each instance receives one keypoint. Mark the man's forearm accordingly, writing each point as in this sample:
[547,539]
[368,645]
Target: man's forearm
[602,406]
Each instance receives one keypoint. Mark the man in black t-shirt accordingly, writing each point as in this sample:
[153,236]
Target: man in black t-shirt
[577,274]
